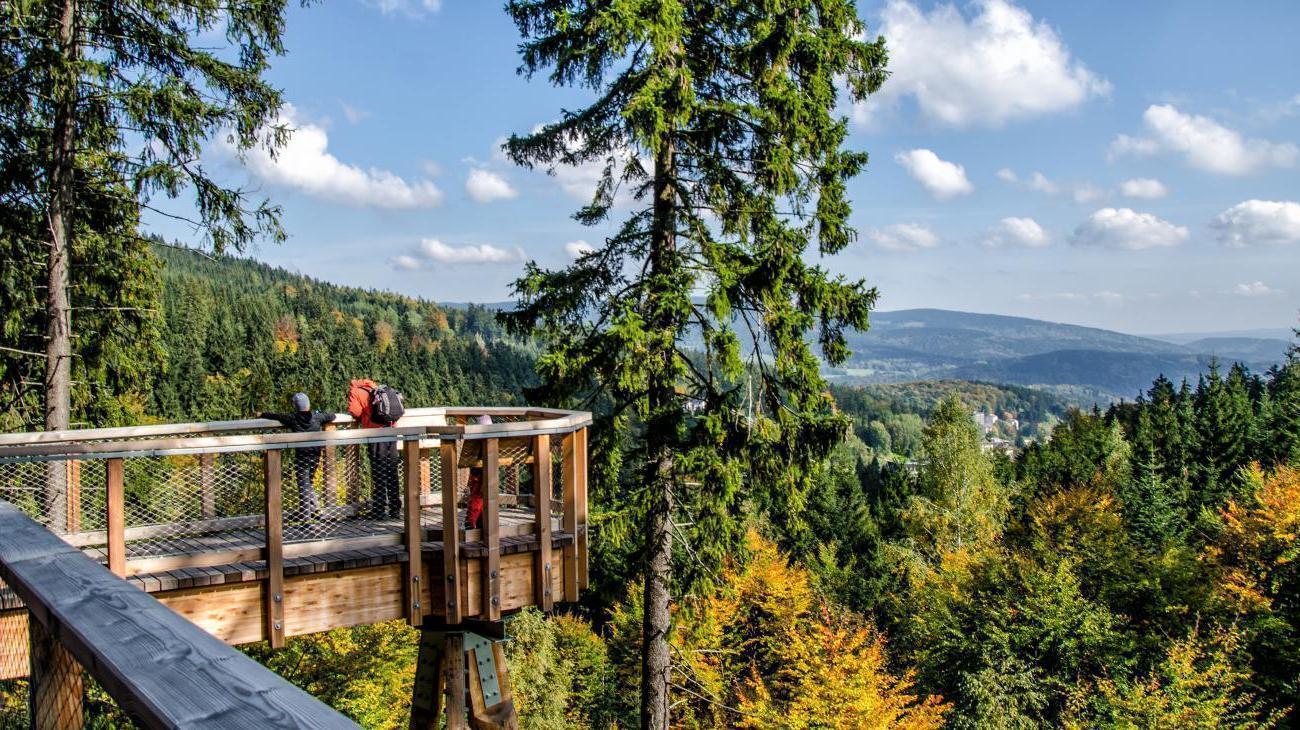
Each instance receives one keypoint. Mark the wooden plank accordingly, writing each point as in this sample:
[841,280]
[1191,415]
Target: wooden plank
[329,473]
[208,485]
[430,676]
[452,607]
[13,650]
[580,502]
[457,717]
[491,530]
[73,501]
[115,519]
[413,534]
[569,477]
[161,669]
[274,599]
[352,456]
[542,488]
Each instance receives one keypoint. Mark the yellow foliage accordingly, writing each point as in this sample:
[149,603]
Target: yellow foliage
[772,653]
[286,335]
[1259,537]
[383,336]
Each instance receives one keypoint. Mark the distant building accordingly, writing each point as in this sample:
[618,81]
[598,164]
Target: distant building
[985,421]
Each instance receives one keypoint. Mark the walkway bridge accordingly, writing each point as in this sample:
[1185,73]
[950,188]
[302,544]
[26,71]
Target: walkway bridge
[255,534]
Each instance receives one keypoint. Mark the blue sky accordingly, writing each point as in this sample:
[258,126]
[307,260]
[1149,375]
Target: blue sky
[1133,166]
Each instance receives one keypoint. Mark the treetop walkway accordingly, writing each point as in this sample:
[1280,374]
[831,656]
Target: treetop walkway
[257,534]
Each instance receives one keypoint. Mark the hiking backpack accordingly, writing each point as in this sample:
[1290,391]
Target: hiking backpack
[385,405]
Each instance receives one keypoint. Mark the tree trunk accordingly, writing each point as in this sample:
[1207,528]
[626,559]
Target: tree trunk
[656,663]
[58,329]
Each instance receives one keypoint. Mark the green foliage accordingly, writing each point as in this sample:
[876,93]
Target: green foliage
[560,673]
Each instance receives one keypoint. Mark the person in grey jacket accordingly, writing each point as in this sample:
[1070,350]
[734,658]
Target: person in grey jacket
[306,460]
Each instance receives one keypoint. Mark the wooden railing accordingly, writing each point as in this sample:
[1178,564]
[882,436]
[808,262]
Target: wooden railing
[160,669]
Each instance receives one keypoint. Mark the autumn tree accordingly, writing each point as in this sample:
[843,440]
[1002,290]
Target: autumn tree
[720,124]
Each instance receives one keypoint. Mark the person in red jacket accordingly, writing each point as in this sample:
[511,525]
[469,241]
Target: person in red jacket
[474,503]
[386,501]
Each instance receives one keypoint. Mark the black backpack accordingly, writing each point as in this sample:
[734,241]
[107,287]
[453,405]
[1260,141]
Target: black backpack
[385,405]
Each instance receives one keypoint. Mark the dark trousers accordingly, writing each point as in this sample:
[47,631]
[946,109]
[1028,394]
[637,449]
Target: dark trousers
[383,478]
[306,461]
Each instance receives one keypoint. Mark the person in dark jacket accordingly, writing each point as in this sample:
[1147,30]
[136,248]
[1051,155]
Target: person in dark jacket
[306,459]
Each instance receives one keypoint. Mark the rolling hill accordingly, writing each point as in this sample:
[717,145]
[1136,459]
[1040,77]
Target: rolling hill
[925,344]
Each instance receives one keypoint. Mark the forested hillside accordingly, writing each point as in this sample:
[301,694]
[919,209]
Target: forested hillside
[239,336]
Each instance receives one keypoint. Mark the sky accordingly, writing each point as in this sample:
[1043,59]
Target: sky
[1133,166]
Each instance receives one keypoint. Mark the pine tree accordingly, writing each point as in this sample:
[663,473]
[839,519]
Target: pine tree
[1221,428]
[720,122]
[1284,416]
[105,105]
[1152,509]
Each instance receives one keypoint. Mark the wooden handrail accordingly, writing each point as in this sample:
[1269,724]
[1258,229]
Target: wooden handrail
[162,670]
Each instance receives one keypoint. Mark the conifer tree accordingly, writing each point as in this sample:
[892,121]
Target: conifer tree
[104,105]
[1284,415]
[719,121]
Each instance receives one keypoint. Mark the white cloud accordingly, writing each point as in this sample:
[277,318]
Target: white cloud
[1269,222]
[943,179]
[1143,187]
[1255,289]
[1012,232]
[578,248]
[485,186]
[1105,297]
[433,253]
[997,66]
[1204,143]
[903,237]
[1080,192]
[1124,228]
[354,114]
[305,163]
[411,8]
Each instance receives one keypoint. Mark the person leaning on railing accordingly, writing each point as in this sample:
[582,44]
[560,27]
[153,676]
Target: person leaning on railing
[386,502]
[306,459]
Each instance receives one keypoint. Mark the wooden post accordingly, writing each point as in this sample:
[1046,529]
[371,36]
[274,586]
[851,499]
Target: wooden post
[414,532]
[542,521]
[451,535]
[54,695]
[115,519]
[352,456]
[580,503]
[273,602]
[491,517]
[455,663]
[73,523]
[329,473]
[207,485]
[569,474]
[430,681]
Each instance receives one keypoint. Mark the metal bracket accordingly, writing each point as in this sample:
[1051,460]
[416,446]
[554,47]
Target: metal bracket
[487,667]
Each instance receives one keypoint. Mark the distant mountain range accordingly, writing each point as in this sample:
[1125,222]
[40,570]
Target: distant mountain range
[925,344]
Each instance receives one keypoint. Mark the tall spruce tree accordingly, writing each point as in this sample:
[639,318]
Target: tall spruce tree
[719,122]
[104,106]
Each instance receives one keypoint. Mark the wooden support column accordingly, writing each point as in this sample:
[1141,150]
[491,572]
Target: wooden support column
[580,503]
[273,601]
[542,592]
[491,521]
[430,681]
[569,475]
[457,716]
[413,535]
[207,485]
[54,695]
[329,473]
[115,519]
[73,522]
[352,465]
[451,536]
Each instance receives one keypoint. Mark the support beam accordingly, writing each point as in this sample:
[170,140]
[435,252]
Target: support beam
[457,717]
[542,488]
[273,601]
[73,505]
[330,473]
[580,502]
[207,485]
[115,519]
[569,473]
[55,693]
[413,534]
[430,680]
[491,520]
[451,533]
